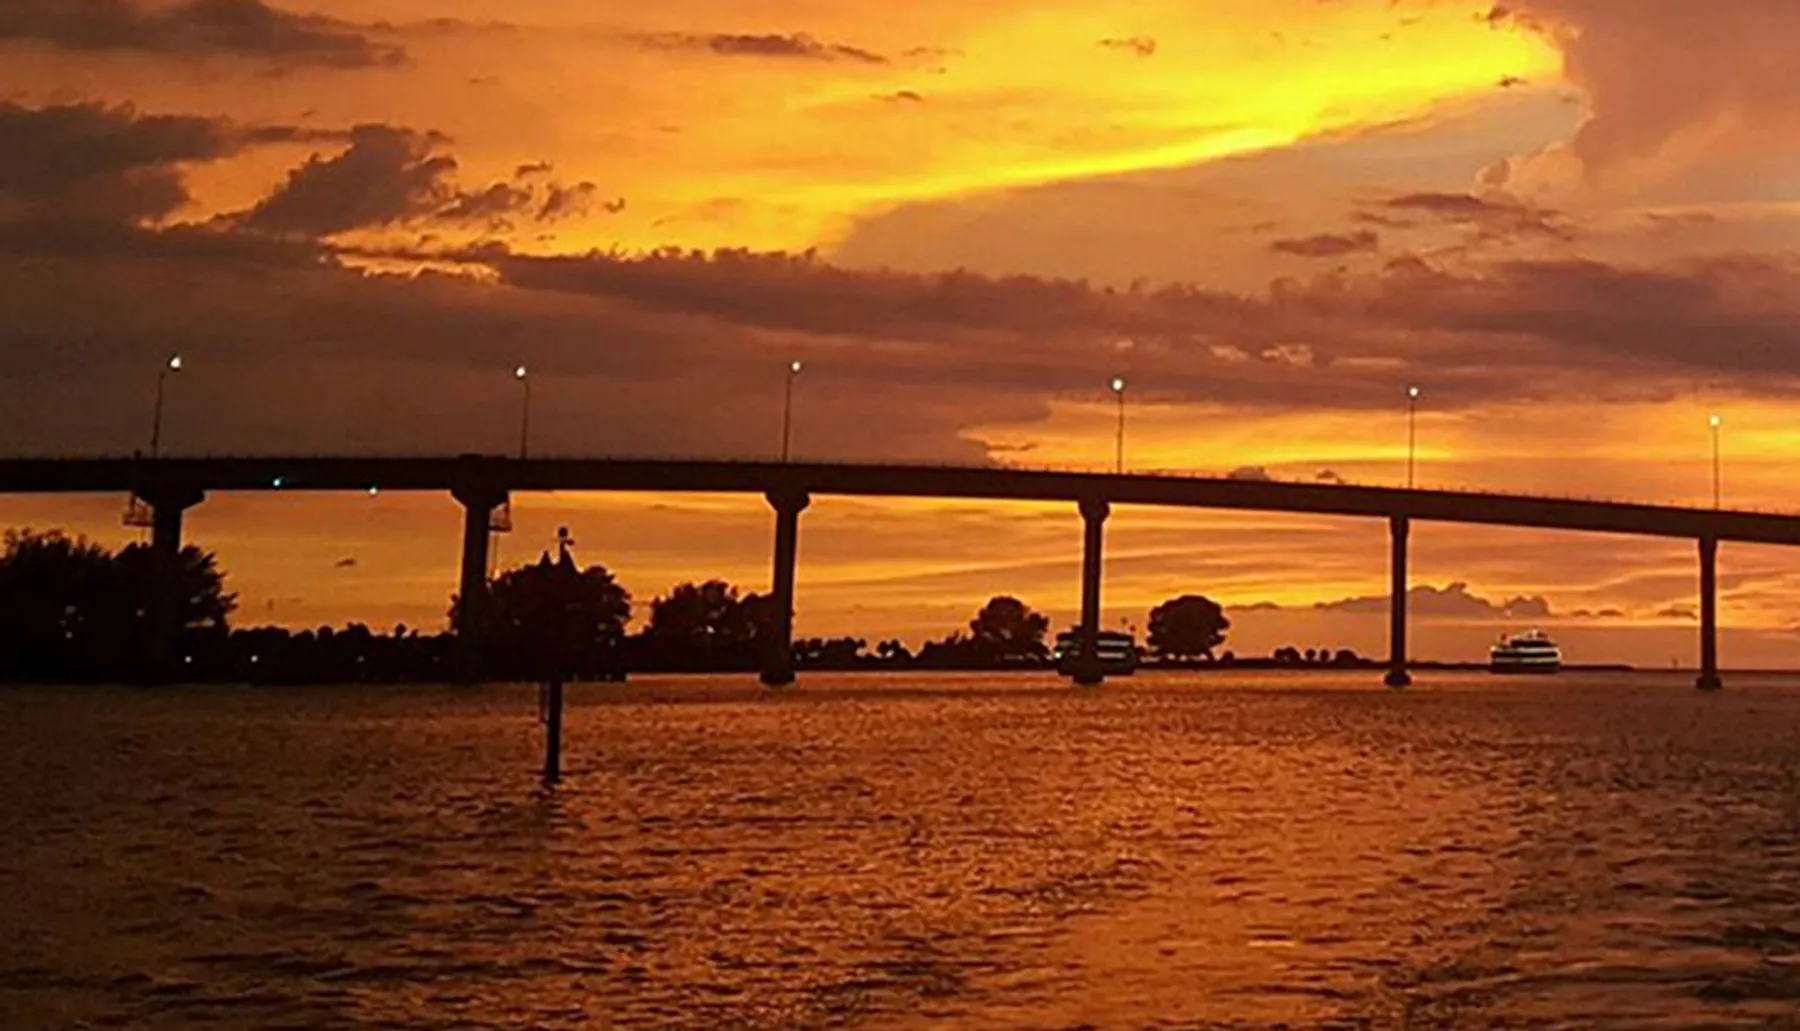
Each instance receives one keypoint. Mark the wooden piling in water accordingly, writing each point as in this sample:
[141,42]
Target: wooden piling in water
[553,721]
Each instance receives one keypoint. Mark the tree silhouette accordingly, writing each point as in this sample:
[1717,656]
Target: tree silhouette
[1007,629]
[70,609]
[552,618]
[830,653]
[1188,627]
[202,603]
[53,591]
[707,626]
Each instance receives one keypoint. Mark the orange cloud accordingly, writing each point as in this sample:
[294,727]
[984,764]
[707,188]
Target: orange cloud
[1668,78]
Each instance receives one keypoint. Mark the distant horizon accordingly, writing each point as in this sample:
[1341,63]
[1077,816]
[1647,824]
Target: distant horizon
[1358,624]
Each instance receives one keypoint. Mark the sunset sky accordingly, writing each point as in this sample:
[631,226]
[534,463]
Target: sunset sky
[1571,223]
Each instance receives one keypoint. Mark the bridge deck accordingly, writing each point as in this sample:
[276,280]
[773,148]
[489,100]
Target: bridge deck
[90,475]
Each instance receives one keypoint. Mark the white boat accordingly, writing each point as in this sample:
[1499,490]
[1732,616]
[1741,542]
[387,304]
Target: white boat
[1529,652]
[1117,652]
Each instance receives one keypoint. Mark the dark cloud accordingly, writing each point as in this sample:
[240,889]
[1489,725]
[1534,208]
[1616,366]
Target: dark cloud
[1142,46]
[1329,245]
[390,176]
[288,355]
[904,96]
[494,205]
[101,163]
[1452,602]
[795,45]
[1375,218]
[1599,315]
[196,28]
[908,361]
[567,201]
[387,175]
[1491,218]
[1254,473]
[1460,207]
[112,164]
[207,248]
[1339,339]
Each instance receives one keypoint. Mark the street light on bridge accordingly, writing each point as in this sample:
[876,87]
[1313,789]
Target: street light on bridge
[162,381]
[1412,437]
[1118,386]
[1718,426]
[523,375]
[787,410]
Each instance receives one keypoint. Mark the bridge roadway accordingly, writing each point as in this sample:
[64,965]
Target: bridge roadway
[169,486]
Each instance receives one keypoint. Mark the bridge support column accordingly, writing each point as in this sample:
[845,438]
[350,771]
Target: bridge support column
[1709,616]
[472,616]
[778,661]
[162,605]
[1397,675]
[1087,665]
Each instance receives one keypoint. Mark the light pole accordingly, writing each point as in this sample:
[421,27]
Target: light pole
[1718,425]
[787,411]
[523,375]
[162,380]
[1118,386]
[1412,437]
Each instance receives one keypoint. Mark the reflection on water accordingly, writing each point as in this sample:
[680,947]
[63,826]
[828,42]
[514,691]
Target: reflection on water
[896,852]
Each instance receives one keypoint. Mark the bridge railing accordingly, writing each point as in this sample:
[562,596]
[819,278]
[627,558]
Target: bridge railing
[1082,469]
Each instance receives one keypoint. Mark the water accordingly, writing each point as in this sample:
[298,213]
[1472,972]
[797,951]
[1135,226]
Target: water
[870,852]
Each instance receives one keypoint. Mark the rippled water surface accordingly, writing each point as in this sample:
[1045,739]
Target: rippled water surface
[900,852]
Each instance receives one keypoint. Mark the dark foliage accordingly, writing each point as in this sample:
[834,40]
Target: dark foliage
[1005,633]
[707,626]
[1187,628]
[553,620]
[353,655]
[72,610]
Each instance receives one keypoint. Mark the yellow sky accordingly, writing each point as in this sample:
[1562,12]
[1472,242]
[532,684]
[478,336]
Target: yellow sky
[768,152]
[1016,94]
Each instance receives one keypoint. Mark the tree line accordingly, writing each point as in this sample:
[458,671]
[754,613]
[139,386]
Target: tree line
[71,610]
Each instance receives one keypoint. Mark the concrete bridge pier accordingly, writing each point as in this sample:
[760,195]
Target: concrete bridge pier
[162,608]
[1397,675]
[1087,665]
[472,618]
[778,661]
[1709,616]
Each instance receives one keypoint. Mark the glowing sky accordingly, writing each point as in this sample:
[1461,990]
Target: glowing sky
[1572,222]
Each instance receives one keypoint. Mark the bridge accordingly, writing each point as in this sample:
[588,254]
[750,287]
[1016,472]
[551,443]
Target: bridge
[482,484]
